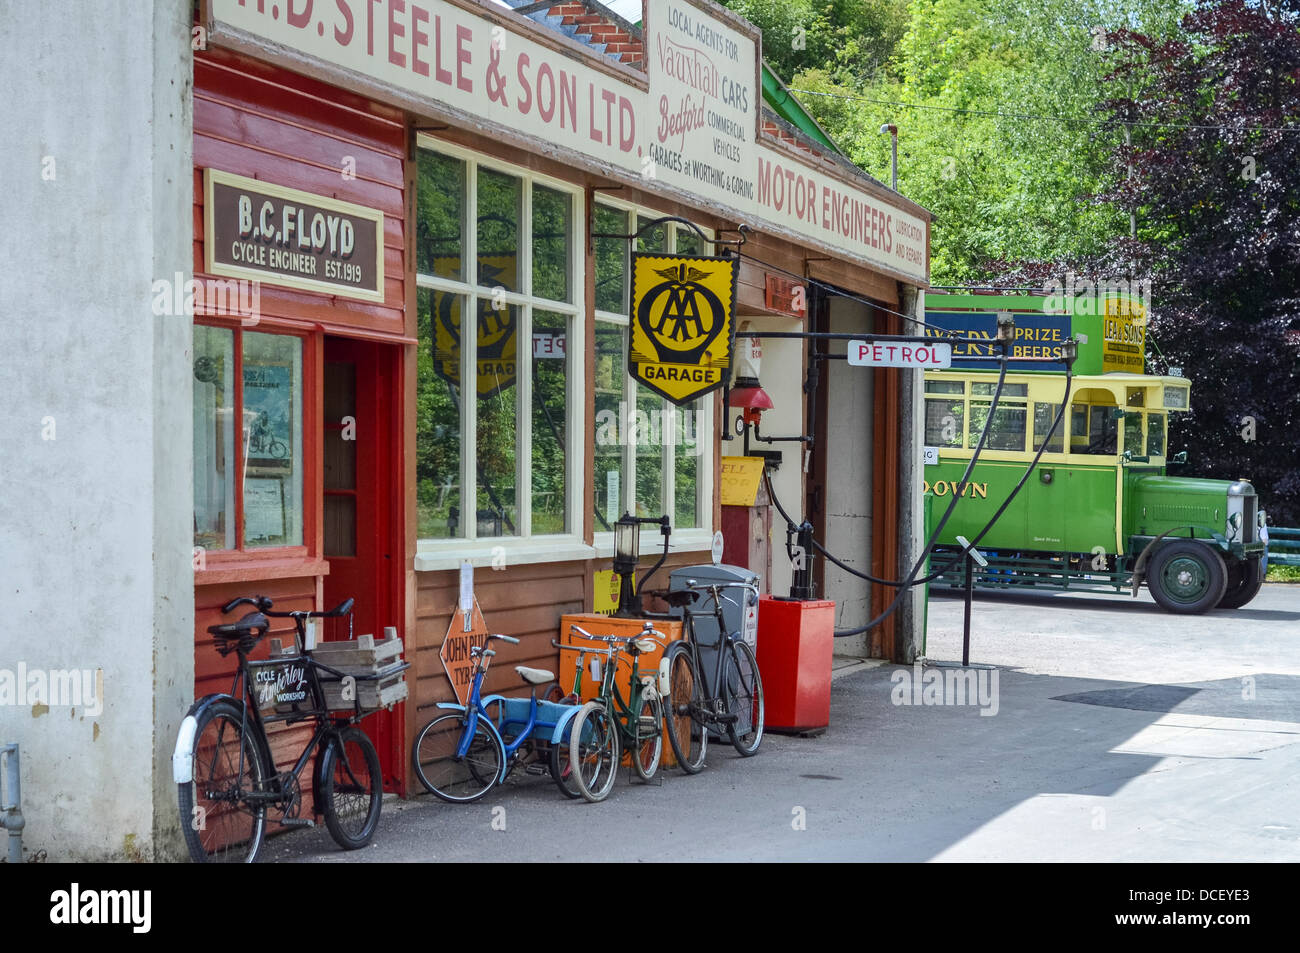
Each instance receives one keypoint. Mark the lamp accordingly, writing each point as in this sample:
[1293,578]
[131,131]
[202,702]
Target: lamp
[627,546]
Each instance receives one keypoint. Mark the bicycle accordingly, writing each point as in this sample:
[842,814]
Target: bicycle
[609,721]
[222,763]
[732,701]
[461,755]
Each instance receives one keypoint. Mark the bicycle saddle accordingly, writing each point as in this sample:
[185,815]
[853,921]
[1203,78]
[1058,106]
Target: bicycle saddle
[534,676]
[677,598]
[245,626]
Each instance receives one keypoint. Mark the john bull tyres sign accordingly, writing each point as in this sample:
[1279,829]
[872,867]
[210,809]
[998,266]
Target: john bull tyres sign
[281,236]
[682,334]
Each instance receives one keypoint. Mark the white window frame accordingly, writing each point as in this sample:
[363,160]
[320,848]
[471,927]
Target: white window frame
[693,539]
[434,554]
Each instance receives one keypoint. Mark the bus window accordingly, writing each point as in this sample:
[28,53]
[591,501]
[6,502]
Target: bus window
[1007,431]
[945,387]
[1044,414]
[1133,432]
[943,422]
[1092,429]
[1156,435]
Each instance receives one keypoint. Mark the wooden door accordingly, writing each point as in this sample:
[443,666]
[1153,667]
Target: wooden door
[362,506]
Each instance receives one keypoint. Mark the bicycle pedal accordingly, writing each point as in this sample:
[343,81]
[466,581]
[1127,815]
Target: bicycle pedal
[297,822]
[728,718]
[536,769]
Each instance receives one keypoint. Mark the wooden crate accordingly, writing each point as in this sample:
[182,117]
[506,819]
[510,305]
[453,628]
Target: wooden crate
[359,656]
[371,692]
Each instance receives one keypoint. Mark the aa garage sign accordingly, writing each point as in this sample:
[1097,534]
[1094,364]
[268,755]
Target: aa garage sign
[683,335]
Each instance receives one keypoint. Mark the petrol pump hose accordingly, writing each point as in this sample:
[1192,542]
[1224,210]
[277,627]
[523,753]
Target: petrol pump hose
[1070,356]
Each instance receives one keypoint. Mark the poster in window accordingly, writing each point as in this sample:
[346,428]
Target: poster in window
[264,509]
[268,416]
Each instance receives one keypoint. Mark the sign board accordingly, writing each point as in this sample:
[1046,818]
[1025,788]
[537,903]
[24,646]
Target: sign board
[930,456]
[682,332]
[888,354]
[455,652]
[1123,336]
[262,232]
[1037,336]
[604,591]
[740,477]
[690,131]
[718,546]
[785,295]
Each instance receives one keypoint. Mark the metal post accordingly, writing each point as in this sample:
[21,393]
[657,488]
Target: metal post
[11,804]
[970,591]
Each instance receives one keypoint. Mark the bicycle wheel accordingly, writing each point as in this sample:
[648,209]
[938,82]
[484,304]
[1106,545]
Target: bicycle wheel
[647,735]
[744,696]
[457,779]
[352,792]
[687,735]
[219,825]
[562,768]
[594,751]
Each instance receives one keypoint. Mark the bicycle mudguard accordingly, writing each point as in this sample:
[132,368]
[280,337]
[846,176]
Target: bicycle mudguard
[450,706]
[562,720]
[183,753]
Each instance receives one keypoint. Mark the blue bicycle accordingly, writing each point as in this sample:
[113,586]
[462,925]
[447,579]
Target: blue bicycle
[462,754]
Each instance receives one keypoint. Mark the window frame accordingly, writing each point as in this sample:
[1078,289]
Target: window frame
[695,537]
[243,561]
[446,553]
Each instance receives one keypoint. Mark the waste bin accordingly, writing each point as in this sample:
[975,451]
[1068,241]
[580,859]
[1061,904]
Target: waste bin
[739,612]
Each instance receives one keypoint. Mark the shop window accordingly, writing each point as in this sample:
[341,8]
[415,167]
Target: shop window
[265,458]
[509,436]
[648,449]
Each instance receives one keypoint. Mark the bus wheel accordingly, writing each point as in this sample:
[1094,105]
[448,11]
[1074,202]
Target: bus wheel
[1244,579]
[1187,576]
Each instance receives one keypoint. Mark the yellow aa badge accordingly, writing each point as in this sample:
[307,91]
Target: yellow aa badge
[682,329]
[496,341]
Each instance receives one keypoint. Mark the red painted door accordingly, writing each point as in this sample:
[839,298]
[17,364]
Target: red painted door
[362,508]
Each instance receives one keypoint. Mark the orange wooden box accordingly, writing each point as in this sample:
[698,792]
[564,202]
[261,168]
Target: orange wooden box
[670,629]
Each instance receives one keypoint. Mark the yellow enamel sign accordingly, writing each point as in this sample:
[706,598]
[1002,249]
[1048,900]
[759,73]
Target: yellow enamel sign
[497,323]
[739,480]
[1123,345]
[683,334]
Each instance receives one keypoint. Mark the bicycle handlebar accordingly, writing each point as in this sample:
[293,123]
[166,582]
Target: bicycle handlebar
[505,638]
[263,604]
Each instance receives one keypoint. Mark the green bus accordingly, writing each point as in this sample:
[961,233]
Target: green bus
[1099,511]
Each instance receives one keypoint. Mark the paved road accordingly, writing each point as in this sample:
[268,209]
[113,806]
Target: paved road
[1120,734]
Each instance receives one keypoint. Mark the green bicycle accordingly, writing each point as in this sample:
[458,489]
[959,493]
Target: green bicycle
[605,725]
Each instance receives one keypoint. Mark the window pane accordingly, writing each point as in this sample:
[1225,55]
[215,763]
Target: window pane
[551,241]
[440,216]
[1156,435]
[611,260]
[944,387]
[1007,432]
[499,197]
[273,440]
[652,239]
[688,243]
[551,365]
[610,422]
[943,422]
[214,438]
[689,443]
[437,418]
[1008,390]
[1133,432]
[646,432]
[496,408]
[1044,414]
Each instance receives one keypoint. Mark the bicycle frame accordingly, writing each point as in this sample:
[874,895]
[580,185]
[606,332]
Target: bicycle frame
[714,696]
[623,710]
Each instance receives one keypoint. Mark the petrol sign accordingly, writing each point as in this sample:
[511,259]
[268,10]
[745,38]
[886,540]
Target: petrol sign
[886,354]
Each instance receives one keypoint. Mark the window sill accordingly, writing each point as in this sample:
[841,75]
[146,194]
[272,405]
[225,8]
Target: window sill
[449,554]
[255,568]
[435,556]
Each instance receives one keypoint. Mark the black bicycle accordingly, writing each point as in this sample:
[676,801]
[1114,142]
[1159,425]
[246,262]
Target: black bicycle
[731,700]
[224,771]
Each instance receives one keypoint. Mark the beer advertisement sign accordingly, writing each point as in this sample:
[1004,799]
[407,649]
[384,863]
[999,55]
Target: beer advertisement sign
[682,329]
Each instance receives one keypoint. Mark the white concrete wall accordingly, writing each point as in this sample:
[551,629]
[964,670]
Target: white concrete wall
[849,435]
[95,443]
